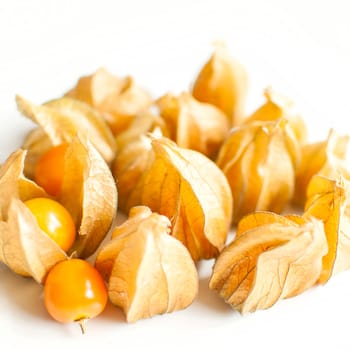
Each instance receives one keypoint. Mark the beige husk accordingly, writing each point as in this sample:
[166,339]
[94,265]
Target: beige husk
[148,271]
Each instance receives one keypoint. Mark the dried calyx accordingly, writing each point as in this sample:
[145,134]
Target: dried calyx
[329,200]
[191,191]
[223,82]
[149,272]
[193,124]
[118,99]
[259,160]
[272,257]
[88,192]
[326,157]
[276,107]
[60,121]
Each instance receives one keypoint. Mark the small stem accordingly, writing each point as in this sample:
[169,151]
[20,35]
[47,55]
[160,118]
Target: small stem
[82,324]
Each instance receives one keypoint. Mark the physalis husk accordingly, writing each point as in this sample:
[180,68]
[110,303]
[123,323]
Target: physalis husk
[191,191]
[149,272]
[135,154]
[276,107]
[329,200]
[88,192]
[24,247]
[61,120]
[323,156]
[272,257]
[118,99]
[223,82]
[193,124]
[259,160]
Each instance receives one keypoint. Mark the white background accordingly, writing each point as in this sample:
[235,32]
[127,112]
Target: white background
[301,48]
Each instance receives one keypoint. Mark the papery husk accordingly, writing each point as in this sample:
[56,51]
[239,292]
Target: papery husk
[24,247]
[62,119]
[272,258]
[223,82]
[119,99]
[193,124]
[261,218]
[192,192]
[135,153]
[89,193]
[259,160]
[276,107]
[337,153]
[313,156]
[130,164]
[143,124]
[329,200]
[148,271]
[36,143]
[14,184]
[320,157]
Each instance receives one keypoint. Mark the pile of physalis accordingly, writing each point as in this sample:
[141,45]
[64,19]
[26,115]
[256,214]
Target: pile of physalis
[189,169]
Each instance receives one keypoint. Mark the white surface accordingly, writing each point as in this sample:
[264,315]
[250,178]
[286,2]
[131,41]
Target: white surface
[302,48]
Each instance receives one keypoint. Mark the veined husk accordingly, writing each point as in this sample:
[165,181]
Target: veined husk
[119,99]
[128,167]
[278,106]
[223,82]
[143,124]
[88,192]
[271,258]
[191,191]
[329,200]
[149,272]
[13,183]
[60,121]
[24,248]
[135,153]
[323,155]
[36,143]
[193,124]
[259,160]
[337,153]
[313,156]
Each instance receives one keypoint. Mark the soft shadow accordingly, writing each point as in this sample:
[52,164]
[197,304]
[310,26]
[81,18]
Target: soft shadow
[113,313]
[210,299]
[207,297]
[22,292]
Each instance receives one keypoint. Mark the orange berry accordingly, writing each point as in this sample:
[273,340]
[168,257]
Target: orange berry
[49,169]
[74,291]
[54,219]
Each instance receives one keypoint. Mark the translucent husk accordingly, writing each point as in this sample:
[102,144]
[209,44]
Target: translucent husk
[24,248]
[118,99]
[223,82]
[323,156]
[329,200]
[271,258]
[193,124]
[88,192]
[259,161]
[61,120]
[148,271]
[276,107]
[191,191]
[135,154]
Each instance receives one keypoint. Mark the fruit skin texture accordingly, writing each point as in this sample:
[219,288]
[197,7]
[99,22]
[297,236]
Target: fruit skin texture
[74,291]
[54,219]
[50,168]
